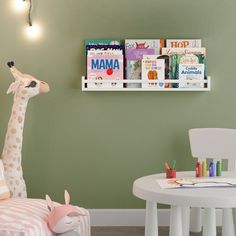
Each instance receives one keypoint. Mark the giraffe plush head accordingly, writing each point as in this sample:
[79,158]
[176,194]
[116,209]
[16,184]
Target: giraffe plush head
[25,86]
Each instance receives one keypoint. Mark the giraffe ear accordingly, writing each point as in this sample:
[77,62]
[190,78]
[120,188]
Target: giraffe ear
[13,87]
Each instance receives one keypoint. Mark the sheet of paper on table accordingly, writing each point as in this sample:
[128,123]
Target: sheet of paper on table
[196,182]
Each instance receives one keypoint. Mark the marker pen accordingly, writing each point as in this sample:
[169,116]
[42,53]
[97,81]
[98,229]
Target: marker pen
[218,168]
[198,169]
[204,169]
[212,169]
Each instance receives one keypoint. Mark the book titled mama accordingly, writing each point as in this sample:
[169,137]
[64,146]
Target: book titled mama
[108,68]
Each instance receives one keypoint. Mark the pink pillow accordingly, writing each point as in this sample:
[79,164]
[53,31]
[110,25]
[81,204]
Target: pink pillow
[4,190]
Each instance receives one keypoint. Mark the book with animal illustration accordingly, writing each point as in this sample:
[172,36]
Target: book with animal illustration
[167,65]
[153,73]
[193,72]
[155,44]
[189,59]
[134,64]
[183,43]
[105,67]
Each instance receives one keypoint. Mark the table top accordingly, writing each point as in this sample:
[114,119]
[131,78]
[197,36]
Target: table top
[148,189]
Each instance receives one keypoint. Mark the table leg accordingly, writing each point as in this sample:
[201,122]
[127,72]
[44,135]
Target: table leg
[228,222]
[195,220]
[209,224]
[151,224]
[176,226]
[185,220]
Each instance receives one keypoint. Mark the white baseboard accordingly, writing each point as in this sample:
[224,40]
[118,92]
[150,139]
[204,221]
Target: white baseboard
[133,217]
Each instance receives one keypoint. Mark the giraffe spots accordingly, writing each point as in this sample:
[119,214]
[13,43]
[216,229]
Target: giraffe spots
[20,119]
[11,165]
[8,151]
[13,130]
[19,194]
[18,140]
[17,182]
[14,113]
[14,146]
[24,91]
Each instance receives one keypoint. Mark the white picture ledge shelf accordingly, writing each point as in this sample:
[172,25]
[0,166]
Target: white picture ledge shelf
[206,87]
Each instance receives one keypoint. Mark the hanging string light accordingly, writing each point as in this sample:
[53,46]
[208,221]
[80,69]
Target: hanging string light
[32,31]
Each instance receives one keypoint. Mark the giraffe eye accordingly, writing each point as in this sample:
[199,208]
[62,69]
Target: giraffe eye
[32,84]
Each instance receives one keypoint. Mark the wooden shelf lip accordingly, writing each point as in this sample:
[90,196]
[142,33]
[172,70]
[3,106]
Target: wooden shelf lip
[206,81]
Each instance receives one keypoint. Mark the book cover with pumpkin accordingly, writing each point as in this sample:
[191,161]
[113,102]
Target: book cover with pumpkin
[153,73]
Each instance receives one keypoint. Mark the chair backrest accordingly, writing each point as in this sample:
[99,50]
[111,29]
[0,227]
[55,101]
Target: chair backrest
[214,143]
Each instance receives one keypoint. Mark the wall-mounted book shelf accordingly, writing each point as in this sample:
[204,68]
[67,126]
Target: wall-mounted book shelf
[101,85]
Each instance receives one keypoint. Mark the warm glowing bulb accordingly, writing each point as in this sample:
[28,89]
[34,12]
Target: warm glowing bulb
[19,5]
[33,32]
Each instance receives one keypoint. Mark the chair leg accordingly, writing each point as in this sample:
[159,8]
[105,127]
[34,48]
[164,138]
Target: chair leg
[195,220]
[176,226]
[209,225]
[234,215]
[151,224]
[228,223]
[186,220]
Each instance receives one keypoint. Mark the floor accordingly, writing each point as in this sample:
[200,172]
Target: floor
[132,231]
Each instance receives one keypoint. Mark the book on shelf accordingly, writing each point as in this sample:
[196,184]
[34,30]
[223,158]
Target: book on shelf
[171,51]
[134,50]
[134,64]
[191,72]
[183,43]
[102,42]
[153,73]
[105,63]
[186,59]
[155,44]
[167,65]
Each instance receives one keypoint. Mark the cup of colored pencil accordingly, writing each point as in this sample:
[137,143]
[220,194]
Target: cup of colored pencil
[170,171]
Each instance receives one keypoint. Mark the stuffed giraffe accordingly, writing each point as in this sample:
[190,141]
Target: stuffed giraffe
[24,87]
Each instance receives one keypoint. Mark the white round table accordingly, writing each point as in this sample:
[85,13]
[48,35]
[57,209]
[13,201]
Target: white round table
[180,200]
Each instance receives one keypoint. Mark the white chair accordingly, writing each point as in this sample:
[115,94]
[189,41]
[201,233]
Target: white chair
[216,144]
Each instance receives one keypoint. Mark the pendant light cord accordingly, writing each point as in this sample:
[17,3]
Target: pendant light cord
[29,13]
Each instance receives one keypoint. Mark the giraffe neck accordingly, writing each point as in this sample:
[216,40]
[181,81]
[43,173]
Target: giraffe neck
[14,136]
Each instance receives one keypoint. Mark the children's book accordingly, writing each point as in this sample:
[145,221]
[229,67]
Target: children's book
[153,73]
[102,42]
[167,65]
[92,49]
[177,59]
[183,43]
[105,67]
[196,183]
[171,51]
[191,72]
[155,44]
[133,64]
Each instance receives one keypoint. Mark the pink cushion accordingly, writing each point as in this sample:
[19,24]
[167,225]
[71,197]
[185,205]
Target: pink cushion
[25,216]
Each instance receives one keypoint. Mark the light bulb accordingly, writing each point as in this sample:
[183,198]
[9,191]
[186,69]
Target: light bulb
[19,5]
[33,32]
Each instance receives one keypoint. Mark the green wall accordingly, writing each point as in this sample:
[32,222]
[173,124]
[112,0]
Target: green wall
[96,144]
